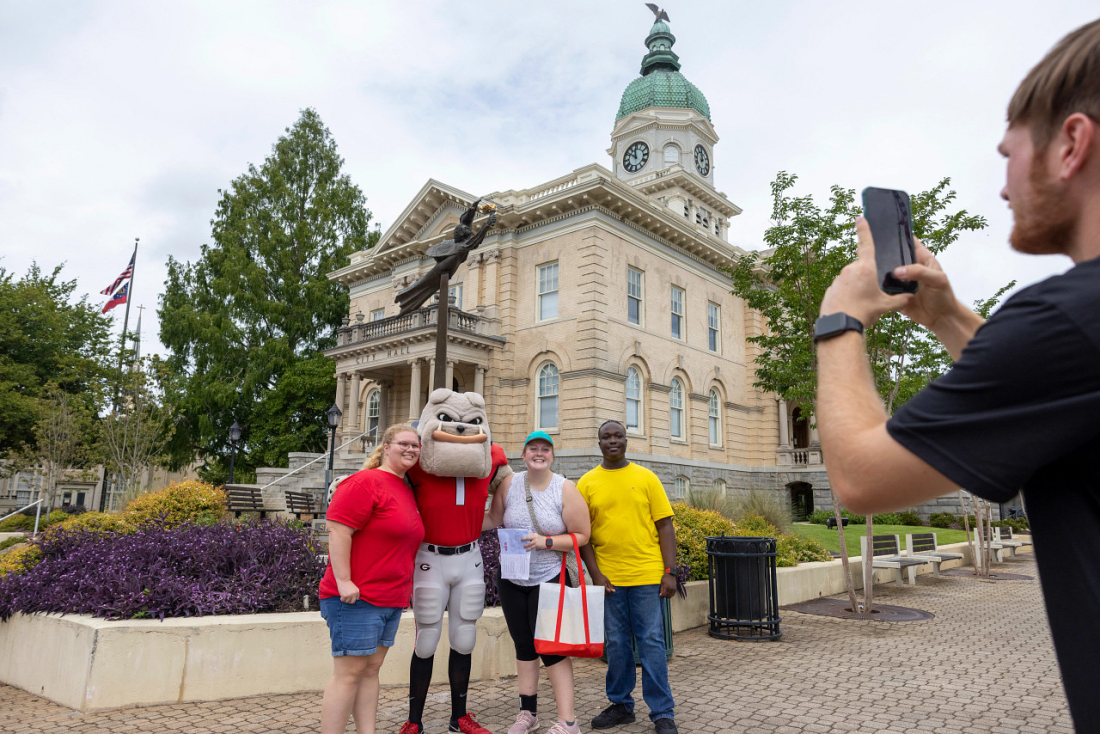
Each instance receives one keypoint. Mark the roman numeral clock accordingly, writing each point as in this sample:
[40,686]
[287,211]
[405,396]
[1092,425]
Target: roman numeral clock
[635,157]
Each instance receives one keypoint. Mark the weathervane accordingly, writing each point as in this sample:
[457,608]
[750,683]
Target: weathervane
[448,255]
[660,14]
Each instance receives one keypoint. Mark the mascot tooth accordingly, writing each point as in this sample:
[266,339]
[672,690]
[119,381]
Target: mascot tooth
[459,466]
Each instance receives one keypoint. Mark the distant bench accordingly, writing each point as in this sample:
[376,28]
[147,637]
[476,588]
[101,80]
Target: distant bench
[245,499]
[924,546]
[1006,538]
[300,503]
[886,553]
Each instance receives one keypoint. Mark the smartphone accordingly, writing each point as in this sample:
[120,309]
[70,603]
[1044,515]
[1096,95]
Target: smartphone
[890,217]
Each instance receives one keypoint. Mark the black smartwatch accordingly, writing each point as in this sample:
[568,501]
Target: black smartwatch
[835,324]
[549,542]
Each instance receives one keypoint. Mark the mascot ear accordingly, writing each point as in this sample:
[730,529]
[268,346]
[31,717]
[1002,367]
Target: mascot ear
[476,400]
[439,396]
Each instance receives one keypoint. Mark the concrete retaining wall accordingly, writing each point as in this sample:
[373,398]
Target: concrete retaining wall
[88,664]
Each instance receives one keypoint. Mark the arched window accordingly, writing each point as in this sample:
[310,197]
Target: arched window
[714,418]
[672,155]
[683,486]
[720,487]
[374,412]
[676,404]
[633,400]
[548,396]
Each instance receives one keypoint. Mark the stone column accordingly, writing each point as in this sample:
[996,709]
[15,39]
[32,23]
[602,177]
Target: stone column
[479,380]
[341,380]
[491,274]
[473,282]
[815,439]
[353,408]
[431,373]
[784,440]
[414,389]
[450,373]
[383,398]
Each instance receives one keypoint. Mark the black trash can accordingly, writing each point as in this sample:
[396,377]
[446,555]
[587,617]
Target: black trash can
[744,599]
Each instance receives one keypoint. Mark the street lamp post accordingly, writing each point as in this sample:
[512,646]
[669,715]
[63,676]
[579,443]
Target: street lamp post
[333,415]
[234,437]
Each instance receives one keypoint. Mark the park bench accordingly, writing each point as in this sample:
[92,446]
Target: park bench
[995,545]
[300,503]
[830,522]
[886,553]
[245,499]
[1006,538]
[923,545]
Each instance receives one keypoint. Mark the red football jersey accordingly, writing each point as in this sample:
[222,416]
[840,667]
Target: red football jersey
[453,508]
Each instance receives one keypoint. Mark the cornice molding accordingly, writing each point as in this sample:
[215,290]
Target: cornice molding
[657,387]
[593,372]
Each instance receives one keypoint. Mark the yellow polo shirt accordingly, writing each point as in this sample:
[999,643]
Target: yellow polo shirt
[624,505]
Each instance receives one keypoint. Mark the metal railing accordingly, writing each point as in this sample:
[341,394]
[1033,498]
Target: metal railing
[314,461]
[418,319]
[37,515]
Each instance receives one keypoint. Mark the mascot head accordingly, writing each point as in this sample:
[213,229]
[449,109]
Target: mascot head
[454,435]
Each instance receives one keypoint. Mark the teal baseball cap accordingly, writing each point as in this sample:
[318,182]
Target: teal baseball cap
[538,434]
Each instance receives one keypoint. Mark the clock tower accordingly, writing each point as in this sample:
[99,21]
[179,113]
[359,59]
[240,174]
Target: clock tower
[663,131]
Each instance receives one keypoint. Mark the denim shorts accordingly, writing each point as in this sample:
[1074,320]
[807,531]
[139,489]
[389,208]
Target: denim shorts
[359,628]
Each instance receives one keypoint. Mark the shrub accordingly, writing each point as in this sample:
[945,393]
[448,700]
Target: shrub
[819,517]
[57,516]
[888,518]
[713,501]
[767,505]
[158,571]
[490,556]
[909,518]
[18,522]
[1018,524]
[693,527]
[187,501]
[8,543]
[852,518]
[18,560]
[793,549]
[755,526]
[74,509]
[942,520]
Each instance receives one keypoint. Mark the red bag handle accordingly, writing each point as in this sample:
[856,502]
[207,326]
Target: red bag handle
[584,593]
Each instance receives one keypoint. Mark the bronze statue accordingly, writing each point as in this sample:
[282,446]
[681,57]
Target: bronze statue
[448,254]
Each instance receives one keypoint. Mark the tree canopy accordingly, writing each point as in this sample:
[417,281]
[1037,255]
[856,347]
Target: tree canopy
[246,323]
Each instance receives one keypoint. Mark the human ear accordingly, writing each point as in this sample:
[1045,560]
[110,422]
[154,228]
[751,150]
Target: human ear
[1075,145]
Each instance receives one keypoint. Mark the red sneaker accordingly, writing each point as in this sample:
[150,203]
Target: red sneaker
[468,725]
[410,728]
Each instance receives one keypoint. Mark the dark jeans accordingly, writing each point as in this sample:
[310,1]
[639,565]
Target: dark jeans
[521,608]
[636,611]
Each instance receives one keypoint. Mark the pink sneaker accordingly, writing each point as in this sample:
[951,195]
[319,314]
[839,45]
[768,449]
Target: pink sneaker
[525,722]
[560,727]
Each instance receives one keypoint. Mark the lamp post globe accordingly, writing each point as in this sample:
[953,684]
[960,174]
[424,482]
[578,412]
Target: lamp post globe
[333,415]
[234,437]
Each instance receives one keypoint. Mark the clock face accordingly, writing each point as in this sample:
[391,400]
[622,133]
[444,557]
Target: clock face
[636,156]
[702,160]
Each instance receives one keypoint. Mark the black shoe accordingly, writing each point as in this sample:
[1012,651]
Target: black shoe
[613,715]
[665,726]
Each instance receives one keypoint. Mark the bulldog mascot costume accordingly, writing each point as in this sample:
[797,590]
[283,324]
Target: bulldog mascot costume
[459,466]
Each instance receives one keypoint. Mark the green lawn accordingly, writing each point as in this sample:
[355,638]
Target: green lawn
[852,533]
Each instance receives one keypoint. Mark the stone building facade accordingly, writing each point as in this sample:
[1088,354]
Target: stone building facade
[600,294]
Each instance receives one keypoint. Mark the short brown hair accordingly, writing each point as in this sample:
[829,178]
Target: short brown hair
[1066,81]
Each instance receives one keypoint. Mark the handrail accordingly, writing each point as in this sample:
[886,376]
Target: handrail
[37,514]
[322,456]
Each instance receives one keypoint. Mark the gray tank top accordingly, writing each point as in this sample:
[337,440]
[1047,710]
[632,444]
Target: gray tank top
[545,564]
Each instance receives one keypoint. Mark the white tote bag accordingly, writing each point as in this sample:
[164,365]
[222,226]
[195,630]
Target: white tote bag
[569,620]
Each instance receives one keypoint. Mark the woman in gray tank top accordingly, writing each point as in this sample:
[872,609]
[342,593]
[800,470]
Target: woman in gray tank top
[549,507]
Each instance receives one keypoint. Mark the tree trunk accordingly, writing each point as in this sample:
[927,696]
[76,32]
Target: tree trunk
[966,526]
[983,568]
[868,566]
[844,552]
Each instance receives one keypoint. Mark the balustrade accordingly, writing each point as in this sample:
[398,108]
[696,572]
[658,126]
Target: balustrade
[418,319]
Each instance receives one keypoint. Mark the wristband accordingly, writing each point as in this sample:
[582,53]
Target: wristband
[668,571]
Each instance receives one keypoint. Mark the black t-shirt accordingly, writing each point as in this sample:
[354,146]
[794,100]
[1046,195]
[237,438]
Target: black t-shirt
[1021,409]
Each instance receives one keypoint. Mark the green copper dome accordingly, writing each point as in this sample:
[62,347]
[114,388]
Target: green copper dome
[661,83]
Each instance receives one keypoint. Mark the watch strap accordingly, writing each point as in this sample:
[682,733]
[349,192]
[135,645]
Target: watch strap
[835,324]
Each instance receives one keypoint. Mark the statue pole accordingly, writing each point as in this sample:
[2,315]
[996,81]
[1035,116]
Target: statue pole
[442,315]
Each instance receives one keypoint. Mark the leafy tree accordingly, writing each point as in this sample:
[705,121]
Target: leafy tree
[48,343]
[62,439]
[241,321]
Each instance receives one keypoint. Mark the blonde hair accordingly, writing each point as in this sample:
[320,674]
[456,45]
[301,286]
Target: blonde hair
[375,459]
[1065,82]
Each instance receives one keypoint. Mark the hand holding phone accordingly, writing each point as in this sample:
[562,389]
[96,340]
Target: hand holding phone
[890,218]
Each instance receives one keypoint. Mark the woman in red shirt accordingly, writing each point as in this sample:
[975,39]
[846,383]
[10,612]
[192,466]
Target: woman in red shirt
[374,531]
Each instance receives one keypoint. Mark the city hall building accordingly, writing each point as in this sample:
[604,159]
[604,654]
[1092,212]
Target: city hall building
[600,294]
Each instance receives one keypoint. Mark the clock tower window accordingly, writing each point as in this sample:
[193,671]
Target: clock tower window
[672,155]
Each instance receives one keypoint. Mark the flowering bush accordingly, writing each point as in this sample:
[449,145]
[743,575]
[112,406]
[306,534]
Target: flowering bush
[693,527]
[186,501]
[158,571]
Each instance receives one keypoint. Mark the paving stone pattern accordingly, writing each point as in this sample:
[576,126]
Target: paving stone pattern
[825,675]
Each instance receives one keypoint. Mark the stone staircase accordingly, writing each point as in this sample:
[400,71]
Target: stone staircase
[310,479]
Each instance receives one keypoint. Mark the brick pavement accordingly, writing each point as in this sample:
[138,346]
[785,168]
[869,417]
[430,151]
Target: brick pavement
[825,675]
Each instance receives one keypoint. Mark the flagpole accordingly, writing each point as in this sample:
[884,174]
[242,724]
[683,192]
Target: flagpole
[121,349]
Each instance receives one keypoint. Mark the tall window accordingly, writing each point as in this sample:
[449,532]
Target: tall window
[714,321]
[676,404]
[374,412]
[714,418]
[672,155]
[634,296]
[682,487]
[378,314]
[633,400]
[548,291]
[548,396]
[677,313]
[455,291]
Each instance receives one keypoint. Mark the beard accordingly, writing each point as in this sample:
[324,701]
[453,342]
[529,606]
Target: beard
[1045,220]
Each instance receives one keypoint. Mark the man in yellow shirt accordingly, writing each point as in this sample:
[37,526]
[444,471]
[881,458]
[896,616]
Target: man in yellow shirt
[632,553]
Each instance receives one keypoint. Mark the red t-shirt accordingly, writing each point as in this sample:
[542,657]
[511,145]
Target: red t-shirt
[446,522]
[382,509]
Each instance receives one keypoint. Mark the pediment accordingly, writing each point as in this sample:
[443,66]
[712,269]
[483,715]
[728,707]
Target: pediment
[434,208]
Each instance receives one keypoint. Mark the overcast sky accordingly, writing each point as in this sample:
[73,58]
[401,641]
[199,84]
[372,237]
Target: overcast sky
[123,119]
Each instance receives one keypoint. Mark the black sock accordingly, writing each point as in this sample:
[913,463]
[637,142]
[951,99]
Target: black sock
[529,703]
[420,677]
[458,671]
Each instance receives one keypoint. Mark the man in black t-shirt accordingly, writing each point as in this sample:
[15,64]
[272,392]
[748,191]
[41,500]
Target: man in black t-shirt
[1021,405]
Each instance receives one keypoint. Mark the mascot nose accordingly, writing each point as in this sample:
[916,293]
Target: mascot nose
[461,429]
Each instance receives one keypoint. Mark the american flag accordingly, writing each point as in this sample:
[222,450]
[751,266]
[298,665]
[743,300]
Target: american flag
[125,274]
[118,298]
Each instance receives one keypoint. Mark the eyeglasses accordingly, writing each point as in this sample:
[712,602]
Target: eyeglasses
[406,446]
